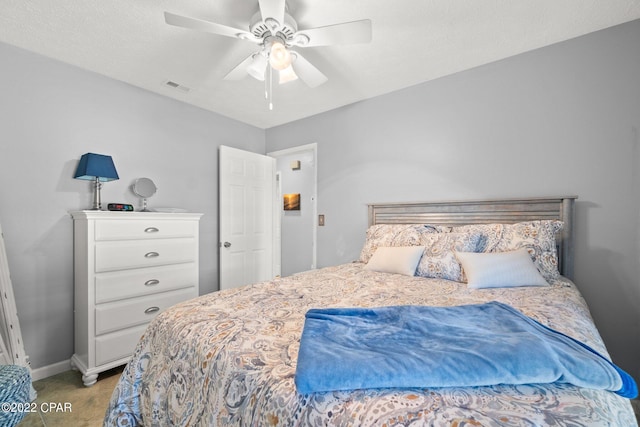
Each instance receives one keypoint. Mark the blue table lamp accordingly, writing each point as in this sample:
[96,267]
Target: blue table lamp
[98,168]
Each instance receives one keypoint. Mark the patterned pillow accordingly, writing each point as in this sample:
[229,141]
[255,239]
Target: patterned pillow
[439,260]
[491,234]
[396,235]
[538,237]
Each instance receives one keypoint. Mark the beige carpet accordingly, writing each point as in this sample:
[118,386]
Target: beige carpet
[63,401]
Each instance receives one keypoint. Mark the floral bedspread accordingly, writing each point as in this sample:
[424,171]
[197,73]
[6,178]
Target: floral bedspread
[229,359]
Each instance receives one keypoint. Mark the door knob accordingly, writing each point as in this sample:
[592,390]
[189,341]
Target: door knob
[227,244]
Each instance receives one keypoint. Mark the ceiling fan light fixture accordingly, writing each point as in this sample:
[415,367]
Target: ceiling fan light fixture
[287,75]
[258,67]
[279,57]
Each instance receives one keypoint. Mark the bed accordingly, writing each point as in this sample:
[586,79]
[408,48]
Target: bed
[229,358]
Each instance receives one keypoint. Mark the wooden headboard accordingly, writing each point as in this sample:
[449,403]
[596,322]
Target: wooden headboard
[506,211]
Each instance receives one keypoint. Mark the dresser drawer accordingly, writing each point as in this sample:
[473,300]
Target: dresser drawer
[125,254]
[144,229]
[118,285]
[117,345]
[136,311]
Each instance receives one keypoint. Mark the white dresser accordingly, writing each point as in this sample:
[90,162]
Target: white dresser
[128,267]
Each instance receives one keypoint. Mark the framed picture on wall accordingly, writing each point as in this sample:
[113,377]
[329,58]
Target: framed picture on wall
[291,202]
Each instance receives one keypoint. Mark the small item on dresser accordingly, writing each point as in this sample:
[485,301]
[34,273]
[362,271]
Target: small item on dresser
[97,168]
[145,188]
[120,207]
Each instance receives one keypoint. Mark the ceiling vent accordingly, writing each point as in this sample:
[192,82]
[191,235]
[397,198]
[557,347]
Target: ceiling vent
[177,86]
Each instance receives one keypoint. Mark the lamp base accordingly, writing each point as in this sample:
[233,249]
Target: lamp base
[97,202]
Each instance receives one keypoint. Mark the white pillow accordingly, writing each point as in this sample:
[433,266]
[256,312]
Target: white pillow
[396,259]
[500,269]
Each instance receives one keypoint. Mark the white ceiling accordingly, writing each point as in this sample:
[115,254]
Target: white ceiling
[413,41]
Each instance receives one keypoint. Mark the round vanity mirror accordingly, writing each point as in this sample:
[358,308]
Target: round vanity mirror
[144,188]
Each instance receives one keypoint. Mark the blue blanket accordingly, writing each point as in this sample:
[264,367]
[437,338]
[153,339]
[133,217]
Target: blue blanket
[417,346]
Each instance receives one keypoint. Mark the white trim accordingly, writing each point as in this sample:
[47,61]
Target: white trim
[50,370]
[277,227]
[307,147]
[314,210]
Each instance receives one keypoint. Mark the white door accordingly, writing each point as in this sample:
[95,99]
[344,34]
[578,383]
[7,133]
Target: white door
[247,189]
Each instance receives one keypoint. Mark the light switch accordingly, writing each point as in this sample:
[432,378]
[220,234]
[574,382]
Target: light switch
[321,220]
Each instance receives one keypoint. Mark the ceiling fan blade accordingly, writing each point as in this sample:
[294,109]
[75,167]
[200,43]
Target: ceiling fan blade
[345,33]
[208,27]
[272,10]
[240,70]
[306,71]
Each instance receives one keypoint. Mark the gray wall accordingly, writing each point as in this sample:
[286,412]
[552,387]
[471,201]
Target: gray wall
[51,114]
[563,120]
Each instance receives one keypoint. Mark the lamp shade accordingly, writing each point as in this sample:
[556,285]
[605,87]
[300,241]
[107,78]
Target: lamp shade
[287,75]
[96,166]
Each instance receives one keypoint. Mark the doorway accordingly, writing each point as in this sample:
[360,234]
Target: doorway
[298,175]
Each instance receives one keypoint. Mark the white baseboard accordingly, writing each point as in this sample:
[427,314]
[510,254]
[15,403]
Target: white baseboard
[50,370]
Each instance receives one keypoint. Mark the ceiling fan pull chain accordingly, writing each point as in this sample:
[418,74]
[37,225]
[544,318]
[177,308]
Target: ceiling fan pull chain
[270,88]
[266,89]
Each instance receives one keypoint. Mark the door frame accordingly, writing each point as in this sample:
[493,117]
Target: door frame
[313,147]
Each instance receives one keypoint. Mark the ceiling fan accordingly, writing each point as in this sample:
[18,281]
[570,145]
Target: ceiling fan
[276,33]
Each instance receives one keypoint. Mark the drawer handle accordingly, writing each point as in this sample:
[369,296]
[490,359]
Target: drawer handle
[151,282]
[151,230]
[151,310]
[151,254]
